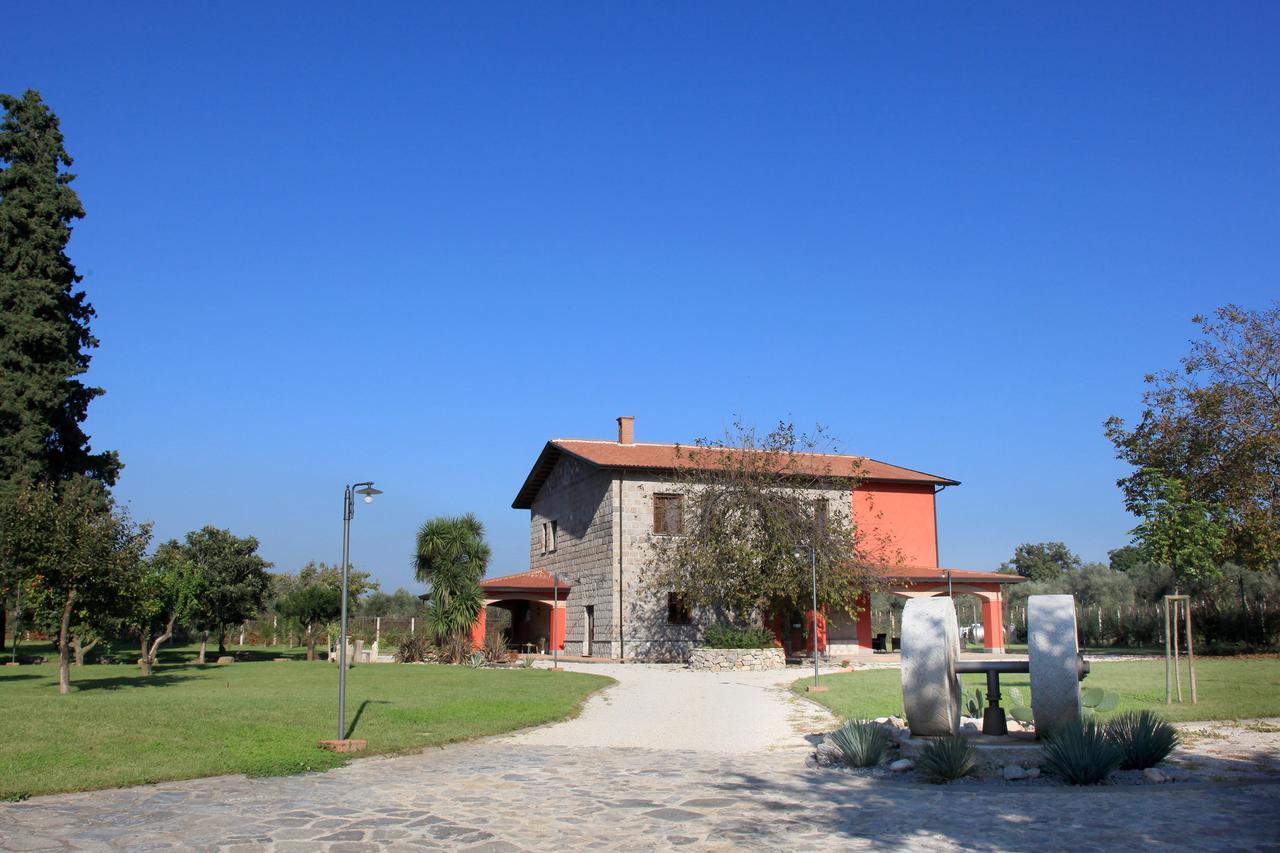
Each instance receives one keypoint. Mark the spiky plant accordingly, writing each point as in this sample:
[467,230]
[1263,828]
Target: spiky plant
[1081,753]
[1143,738]
[947,758]
[863,742]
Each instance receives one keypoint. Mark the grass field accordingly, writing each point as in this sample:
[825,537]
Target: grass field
[117,728]
[1229,688]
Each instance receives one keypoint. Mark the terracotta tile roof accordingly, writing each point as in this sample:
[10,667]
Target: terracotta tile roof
[532,579]
[669,457]
[908,573]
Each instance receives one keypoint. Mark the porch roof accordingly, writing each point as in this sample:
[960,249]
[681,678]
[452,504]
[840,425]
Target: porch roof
[531,579]
[926,574]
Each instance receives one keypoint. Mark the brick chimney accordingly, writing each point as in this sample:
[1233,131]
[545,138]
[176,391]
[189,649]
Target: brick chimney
[626,430]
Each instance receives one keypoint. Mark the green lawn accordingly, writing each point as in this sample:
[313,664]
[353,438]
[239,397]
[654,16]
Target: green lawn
[1229,688]
[117,728]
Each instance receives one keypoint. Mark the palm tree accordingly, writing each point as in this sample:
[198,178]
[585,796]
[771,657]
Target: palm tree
[452,557]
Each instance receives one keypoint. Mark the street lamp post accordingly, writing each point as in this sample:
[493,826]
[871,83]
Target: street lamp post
[348,512]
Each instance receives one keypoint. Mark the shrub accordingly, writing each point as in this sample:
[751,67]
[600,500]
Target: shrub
[947,758]
[863,742]
[725,636]
[457,649]
[1144,739]
[1081,753]
[495,649]
[414,649]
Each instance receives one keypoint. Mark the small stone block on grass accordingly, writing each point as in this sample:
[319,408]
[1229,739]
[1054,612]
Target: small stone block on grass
[817,688]
[280,660]
[226,659]
[555,669]
[12,663]
[344,745]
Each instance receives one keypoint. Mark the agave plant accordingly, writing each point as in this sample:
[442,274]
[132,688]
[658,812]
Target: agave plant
[1081,753]
[947,758]
[1144,739]
[863,742]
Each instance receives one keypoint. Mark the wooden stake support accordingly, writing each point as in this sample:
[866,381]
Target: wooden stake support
[1177,608]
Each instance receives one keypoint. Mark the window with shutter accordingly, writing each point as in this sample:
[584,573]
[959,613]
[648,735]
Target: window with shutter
[668,514]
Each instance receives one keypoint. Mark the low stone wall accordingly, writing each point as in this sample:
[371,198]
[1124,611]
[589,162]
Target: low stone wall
[723,660]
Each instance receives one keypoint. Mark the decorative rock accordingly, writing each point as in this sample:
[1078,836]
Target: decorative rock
[930,648]
[1033,772]
[729,660]
[226,659]
[1014,772]
[828,754]
[345,745]
[902,765]
[1154,776]
[1054,662]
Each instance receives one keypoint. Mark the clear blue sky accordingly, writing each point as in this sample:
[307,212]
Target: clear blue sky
[330,243]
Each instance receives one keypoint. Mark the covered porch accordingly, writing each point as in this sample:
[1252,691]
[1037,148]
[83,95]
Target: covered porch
[853,635]
[537,604]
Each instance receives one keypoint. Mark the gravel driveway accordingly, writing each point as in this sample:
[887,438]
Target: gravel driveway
[669,707]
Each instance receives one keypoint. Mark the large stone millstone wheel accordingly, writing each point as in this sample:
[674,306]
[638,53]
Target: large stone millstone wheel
[1054,662]
[930,648]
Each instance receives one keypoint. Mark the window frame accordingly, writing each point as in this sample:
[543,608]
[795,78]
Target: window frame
[678,612]
[662,502]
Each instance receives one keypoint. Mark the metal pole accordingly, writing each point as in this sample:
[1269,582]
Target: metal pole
[813,566]
[347,507]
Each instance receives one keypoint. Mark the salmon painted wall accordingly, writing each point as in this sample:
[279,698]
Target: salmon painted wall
[899,517]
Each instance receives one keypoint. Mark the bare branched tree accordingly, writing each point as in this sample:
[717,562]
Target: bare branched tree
[735,532]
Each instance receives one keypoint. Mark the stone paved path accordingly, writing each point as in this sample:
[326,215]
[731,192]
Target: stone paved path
[534,791]
[505,796]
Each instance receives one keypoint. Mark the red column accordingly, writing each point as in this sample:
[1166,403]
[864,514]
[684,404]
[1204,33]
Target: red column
[993,624]
[557,627]
[777,625]
[822,632]
[864,623]
[477,631]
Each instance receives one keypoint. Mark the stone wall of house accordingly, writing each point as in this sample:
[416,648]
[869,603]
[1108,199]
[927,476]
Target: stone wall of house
[647,633]
[725,660]
[579,498]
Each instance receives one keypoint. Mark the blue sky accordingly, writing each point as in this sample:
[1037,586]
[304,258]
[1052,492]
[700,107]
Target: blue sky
[411,243]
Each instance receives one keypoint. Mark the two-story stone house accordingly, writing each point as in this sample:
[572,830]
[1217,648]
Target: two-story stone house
[594,505]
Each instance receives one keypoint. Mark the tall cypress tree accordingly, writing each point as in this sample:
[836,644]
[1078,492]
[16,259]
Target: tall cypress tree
[44,319]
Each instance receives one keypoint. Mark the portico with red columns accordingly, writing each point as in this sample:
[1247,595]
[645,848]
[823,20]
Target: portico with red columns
[809,618]
[537,603]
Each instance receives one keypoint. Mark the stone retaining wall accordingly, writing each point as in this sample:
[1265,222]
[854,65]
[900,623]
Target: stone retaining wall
[722,660]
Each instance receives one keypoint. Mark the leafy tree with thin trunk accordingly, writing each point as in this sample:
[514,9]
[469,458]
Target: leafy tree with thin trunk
[234,578]
[749,507]
[72,543]
[158,594]
[1214,426]
[311,606]
[1186,535]
[452,557]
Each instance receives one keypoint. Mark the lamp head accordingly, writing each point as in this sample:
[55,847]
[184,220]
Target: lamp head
[368,491]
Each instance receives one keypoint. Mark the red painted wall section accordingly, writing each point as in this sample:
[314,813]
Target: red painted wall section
[822,631]
[477,632]
[898,519]
[557,628]
[864,621]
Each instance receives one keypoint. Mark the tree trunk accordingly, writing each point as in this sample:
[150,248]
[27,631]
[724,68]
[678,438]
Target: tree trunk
[64,661]
[222,639]
[4,624]
[312,635]
[80,650]
[144,662]
[204,644]
[149,654]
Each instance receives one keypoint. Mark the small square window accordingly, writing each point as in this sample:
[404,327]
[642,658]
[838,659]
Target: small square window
[678,612]
[668,514]
[548,536]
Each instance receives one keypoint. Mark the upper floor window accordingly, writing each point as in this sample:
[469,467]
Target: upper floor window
[668,514]
[548,536]
[821,514]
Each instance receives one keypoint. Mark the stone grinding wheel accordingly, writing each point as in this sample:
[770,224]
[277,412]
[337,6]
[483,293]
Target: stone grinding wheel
[930,648]
[1054,662]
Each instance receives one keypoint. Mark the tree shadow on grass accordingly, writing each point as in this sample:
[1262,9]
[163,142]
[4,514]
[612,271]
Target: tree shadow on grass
[18,677]
[138,680]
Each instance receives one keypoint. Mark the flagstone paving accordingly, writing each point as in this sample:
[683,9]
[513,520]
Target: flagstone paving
[500,795]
